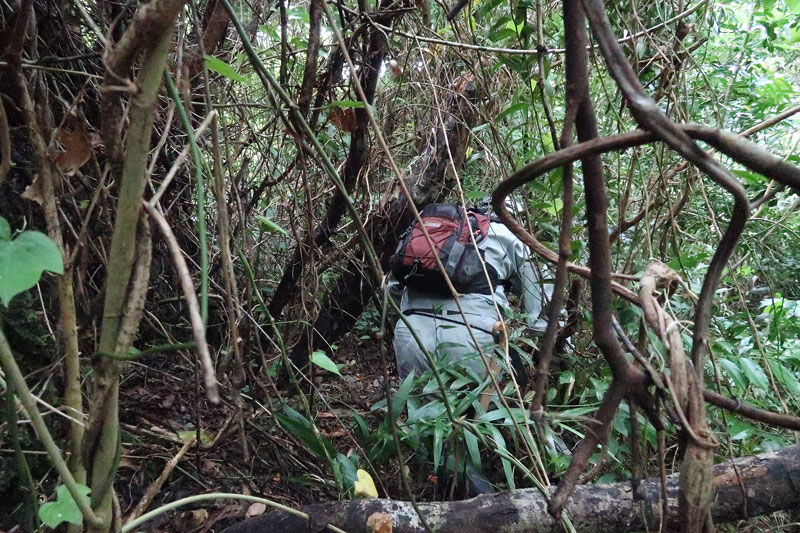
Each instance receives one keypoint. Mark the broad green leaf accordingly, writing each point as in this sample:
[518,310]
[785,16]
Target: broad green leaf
[472,448]
[400,398]
[428,412]
[303,430]
[299,13]
[64,509]
[755,375]
[513,108]
[740,430]
[270,226]
[430,387]
[361,424]
[348,469]
[323,361]
[205,438]
[733,372]
[555,207]
[547,142]
[500,442]
[222,68]
[492,416]
[23,260]
[460,382]
[785,377]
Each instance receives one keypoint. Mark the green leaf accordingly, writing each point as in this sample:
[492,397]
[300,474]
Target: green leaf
[323,361]
[64,509]
[299,13]
[5,230]
[500,443]
[438,433]
[513,108]
[347,103]
[785,377]
[205,438]
[269,226]
[733,372]
[472,448]
[400,398]
[300,427]
[23,260]
[754,373]
[222,68]
[555,207]
[348,469]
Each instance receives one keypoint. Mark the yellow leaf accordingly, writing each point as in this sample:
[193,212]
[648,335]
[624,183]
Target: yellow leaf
[365,487]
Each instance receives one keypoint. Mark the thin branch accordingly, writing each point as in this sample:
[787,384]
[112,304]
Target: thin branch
[5,144]
[752,412]
[198,326]
[156,485]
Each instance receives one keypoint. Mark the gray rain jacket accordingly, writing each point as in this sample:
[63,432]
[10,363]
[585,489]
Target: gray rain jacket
[510,257]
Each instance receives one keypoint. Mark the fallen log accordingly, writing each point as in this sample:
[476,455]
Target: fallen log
[771,482]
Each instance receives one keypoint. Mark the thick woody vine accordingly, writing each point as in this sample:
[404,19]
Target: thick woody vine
[684,386]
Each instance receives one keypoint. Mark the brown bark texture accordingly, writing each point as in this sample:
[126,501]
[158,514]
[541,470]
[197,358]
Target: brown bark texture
[771,482]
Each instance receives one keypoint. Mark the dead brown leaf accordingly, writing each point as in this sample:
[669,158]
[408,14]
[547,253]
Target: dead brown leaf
[395,69]
[343,119]
[33,192]
[168,401]
[380,523]
[77,148]
[256,509]
[126,462]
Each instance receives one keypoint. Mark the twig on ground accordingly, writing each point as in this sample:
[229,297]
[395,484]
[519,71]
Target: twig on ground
[156,485]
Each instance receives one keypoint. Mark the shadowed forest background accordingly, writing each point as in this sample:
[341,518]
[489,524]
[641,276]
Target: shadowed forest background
[198,201]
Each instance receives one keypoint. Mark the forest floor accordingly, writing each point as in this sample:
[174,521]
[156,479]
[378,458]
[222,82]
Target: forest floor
[160,408]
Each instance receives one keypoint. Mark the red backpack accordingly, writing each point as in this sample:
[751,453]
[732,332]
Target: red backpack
[414,264]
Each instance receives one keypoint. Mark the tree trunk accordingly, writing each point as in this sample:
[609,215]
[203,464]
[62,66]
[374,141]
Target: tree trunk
[772,482]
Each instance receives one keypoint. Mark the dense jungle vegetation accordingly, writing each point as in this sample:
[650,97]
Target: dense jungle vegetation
[198,201]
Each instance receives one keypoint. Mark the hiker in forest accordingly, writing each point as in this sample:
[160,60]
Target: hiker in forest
[428,304]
